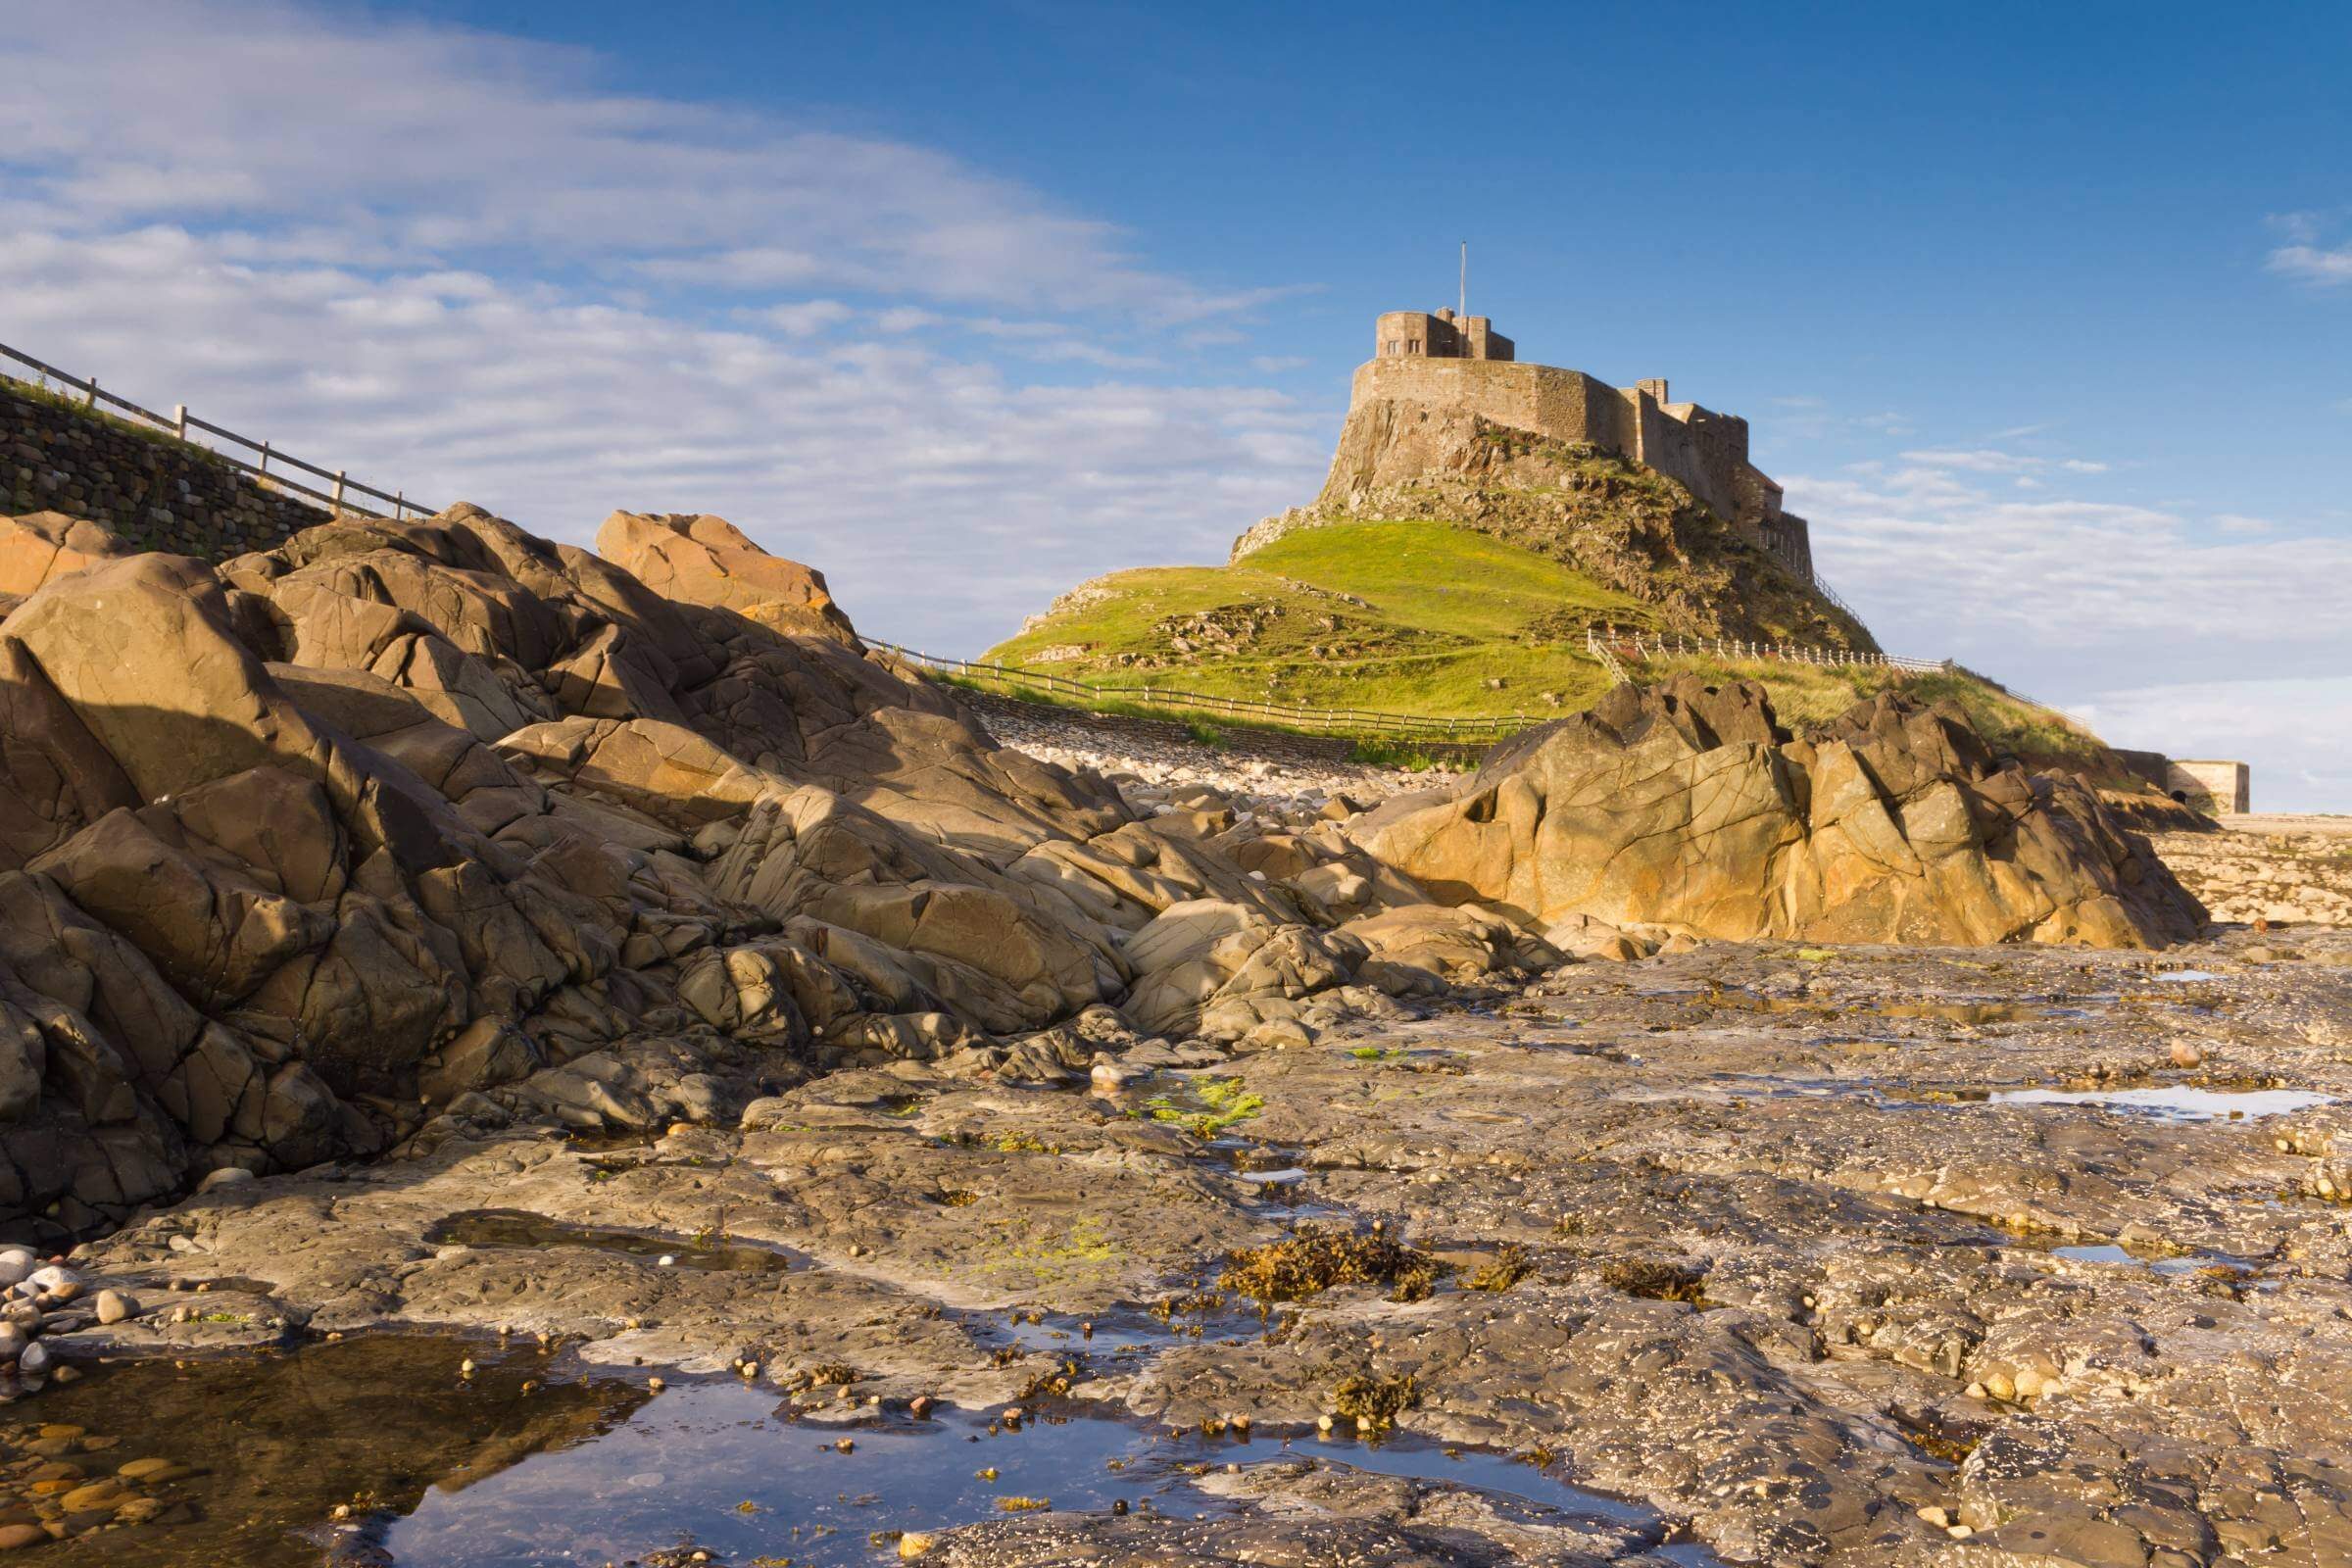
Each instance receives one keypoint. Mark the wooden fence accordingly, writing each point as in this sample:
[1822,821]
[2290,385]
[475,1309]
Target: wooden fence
[180,424]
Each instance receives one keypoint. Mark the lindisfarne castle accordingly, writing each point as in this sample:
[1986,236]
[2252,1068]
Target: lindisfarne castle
[1453,364]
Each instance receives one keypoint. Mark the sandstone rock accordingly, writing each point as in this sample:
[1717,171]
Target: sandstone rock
[1583,937]
[1429,946]
[1220,969]
[1686,806]
[707,560]
[39,546]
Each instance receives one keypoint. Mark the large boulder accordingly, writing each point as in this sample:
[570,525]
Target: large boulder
[704,560]
[1686,806]
[1220,969]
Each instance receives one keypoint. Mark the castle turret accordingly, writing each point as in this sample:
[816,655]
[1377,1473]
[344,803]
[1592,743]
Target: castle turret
[1418,335]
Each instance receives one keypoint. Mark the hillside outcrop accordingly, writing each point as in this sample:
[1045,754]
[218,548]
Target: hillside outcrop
[1688,808]
[1628,527]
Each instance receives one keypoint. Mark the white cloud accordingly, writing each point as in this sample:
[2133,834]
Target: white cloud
[2319,265]
[1278,364]
[2162,639]
[338,139]
[807,317]
[1979,460]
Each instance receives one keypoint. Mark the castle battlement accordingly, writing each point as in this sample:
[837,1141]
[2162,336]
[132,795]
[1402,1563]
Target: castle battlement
[1461,364]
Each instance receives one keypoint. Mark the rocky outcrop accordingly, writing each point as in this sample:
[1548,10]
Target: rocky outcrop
[1688,807]
[704,560]
[410,823]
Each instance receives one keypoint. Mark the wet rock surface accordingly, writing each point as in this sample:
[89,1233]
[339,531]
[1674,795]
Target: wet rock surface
[1744,1241]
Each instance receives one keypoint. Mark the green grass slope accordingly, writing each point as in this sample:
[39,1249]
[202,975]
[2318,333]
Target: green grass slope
[1430,619]
[1409,616]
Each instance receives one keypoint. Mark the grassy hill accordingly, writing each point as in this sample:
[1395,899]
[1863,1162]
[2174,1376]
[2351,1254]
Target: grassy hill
[1431,619]
[1413,616]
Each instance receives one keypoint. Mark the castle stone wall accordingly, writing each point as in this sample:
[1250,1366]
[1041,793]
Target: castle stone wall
[153,492]
[1706,452]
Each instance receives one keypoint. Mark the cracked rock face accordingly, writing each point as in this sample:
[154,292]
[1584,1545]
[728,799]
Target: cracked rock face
[1686,806]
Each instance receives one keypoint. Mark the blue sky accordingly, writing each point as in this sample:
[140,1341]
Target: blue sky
[2044,317]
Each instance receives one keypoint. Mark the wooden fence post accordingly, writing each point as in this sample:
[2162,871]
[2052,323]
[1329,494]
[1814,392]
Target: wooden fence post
[338,492]
[89,395]
[263,470]
[179,421]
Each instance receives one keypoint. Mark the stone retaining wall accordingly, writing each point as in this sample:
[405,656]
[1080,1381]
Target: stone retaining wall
[155,492]
[1234,743]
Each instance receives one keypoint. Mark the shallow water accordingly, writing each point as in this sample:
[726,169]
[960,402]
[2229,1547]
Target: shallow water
[529,1460]
[690,1461]
[2179,1103]
[280,1438]
[2182,1263]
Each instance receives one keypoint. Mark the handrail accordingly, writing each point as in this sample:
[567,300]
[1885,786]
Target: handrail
[180,422]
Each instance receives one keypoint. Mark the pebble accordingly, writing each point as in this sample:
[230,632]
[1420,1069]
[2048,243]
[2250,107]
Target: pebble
[114,1306]
[2184,1054]
[97,1494]
[15,1536]
[913,1544]
[61,1283]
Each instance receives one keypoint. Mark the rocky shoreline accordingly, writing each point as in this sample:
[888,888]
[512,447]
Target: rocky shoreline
[516,1068]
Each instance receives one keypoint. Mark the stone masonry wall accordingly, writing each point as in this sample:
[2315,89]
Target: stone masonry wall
[155,492]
